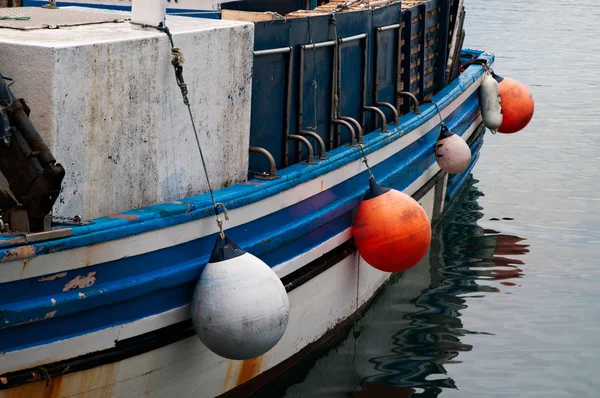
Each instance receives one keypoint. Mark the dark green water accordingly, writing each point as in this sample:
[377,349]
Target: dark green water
[508,304]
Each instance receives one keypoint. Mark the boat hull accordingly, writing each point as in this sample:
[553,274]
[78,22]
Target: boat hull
[320,305]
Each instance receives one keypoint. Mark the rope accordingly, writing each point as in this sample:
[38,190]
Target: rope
[439,112]
[365,160]
[177,61]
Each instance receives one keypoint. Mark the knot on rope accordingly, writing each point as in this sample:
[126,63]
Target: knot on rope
[177,61]
[218,216]
[365,160]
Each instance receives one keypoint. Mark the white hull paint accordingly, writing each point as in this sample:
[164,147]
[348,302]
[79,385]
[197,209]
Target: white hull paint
[187,368]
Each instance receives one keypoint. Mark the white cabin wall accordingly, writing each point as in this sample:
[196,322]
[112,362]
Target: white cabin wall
[105,99]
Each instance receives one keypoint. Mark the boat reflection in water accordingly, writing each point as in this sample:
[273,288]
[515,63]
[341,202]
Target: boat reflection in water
[414,328]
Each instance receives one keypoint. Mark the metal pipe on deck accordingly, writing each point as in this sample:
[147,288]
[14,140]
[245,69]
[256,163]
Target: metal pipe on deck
[349,127]
[359,130]
[380,113]
[267,154]
[301,139]
[319,140]
[390,107]
[411,96]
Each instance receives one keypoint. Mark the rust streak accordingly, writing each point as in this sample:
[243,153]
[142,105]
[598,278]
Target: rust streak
[249,369]
[52,277]
[97,382]
[25,263]
[228,375]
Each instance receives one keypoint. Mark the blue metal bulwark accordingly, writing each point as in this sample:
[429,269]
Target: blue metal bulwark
[423,58]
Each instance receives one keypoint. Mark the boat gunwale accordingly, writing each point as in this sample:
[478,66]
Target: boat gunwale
[162,215]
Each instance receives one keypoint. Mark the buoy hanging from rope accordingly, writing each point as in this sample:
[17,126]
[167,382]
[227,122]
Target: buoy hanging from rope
[391,230]
[517,105]
[491,105]
[452,153]
[240,308]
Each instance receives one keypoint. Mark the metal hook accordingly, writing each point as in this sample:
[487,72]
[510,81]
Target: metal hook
[219,221]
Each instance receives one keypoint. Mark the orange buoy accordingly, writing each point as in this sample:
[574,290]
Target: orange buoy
[391,230]
[517,105]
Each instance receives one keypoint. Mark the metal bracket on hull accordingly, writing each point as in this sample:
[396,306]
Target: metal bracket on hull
[380,113]
[302,140]
[359,130]
[319,140]
[349,127]
[272,168]
[411,96]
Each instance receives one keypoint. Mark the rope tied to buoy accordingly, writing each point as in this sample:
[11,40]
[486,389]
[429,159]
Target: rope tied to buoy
[439,112]
[366,161]
[177,60]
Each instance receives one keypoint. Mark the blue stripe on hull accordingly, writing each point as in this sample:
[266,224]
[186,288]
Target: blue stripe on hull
[144,285]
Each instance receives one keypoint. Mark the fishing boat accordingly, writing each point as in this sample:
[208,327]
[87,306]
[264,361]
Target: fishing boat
[108,216]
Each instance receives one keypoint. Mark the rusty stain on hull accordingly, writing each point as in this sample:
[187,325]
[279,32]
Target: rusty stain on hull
[52,277]
[18,253]
[249,369]
[228,375]
[79,282]
[96,383]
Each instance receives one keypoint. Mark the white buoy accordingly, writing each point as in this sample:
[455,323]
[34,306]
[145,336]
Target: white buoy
[240,308]
[491,104]
[148,12]
[452,153]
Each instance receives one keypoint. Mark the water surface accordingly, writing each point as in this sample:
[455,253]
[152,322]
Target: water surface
[509,302]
